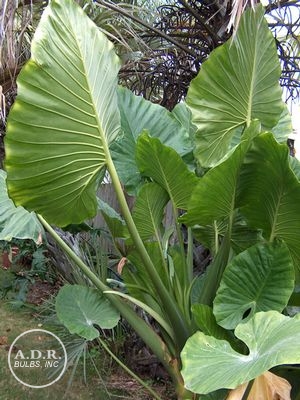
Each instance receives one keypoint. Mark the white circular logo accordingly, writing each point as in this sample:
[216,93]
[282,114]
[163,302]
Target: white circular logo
[37,358]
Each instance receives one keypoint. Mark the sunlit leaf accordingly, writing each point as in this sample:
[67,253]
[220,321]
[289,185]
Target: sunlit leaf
[16,222]
[238,82]
[210,364]
[65,116]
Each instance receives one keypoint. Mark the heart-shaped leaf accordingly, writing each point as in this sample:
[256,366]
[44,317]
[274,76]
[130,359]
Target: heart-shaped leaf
[64,118]
[238,82]
[260,278]
[79,308]
[210,364]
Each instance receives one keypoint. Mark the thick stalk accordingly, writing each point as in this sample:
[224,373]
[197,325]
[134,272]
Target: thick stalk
[139,325]
[180,326]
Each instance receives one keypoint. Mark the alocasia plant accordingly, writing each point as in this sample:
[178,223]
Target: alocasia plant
[71,122]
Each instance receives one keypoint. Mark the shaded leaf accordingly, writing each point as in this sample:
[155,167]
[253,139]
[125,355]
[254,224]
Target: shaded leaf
[270,193]
[114,221]
[164,166]
[215,194]
[138,115]
[284,126]
[206,322]
[148,210]
[259,279]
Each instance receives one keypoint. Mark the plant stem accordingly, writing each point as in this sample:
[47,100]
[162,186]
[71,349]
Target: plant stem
[180,326]
[248,390]
[139,325]
[214,273]
[128,370]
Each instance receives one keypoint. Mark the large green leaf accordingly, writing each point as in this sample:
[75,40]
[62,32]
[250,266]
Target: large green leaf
[148,210]
[16,222]
[137,115]
[238,82]
[65,116]
[270,193]
[79,308]
[210,364]
[258,279]
[214,196]
[164,166]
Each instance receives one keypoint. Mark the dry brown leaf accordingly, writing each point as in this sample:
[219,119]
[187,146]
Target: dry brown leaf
[267,386]
[121,264]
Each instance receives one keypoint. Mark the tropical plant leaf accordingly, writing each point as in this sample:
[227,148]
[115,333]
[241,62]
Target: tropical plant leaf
[79,308]
[164,166]
[214,196]
[148,210]
[64,117]
[261,278]
[284,127]
[138,115]
[184,116]
[241,238]
[210,364]
[137,279]
[206,322]
[114,221]
[238,82]
[270,193]
[16,222]
[295,166]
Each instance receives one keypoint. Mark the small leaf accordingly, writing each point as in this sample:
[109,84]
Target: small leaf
[114,221]
[79,308]
[210,364]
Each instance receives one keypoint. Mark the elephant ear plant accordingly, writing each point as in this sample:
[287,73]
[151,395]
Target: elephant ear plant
[71,123]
